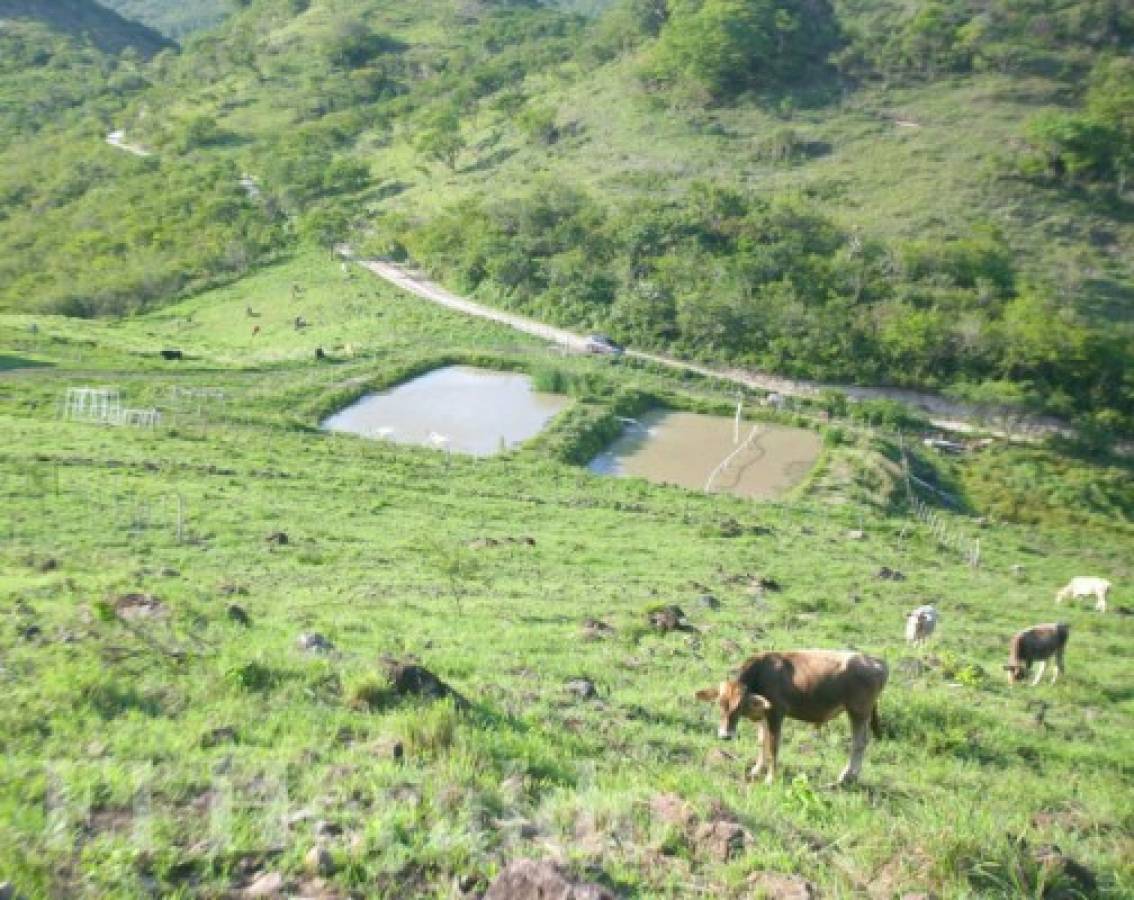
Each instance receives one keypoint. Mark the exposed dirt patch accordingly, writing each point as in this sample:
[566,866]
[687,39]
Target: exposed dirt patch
[1063,878]
[130,607]
[596,630]
[113,819]
[226,734]
[779,886]
[722,839]
[672,810]
[529,879]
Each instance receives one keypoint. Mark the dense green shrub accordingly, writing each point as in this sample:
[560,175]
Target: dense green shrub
[723,47]
[1094,145]
[773,283]
[935,37]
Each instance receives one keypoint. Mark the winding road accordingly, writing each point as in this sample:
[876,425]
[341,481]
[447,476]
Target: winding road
[943,413]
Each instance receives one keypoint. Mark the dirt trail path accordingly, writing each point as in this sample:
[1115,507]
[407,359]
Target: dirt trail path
[944,413]
[117,139]
[426,289]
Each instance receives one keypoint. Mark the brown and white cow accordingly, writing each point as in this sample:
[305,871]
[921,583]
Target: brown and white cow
[1037,644]
[809,685]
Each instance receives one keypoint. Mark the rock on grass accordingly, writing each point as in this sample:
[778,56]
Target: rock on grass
[314,642]
[270,884]
[318,861]
[410,679]
[583,688]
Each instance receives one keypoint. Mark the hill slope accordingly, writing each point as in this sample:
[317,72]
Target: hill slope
[858,206]
[87,22]
[174,18]
[166,734]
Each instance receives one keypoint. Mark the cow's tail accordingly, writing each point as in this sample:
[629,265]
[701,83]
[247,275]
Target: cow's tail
[875,723]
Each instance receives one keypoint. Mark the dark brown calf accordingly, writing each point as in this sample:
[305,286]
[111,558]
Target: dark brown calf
[1037,644]
[809,685]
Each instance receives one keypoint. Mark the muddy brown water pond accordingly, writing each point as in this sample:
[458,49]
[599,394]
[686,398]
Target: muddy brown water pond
[458,408]
[684,449]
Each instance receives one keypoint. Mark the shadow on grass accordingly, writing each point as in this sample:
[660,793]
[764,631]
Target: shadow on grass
[8,363]
[490,161]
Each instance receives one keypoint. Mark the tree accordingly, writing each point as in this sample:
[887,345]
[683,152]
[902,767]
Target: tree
[325,226]
[538,123]
[727,46]
[1110,101]
[199,131]
[1075,147]
[627,24]
[718,45]
[441,139]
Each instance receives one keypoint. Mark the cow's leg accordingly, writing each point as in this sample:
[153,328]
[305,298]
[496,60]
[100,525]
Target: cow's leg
[1039,673]
[1057,669]
[772,745]
[761,735]
[860,737]
[1101,604]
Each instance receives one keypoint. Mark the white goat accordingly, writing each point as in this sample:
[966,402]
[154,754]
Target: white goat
[920,624]
[1086,586]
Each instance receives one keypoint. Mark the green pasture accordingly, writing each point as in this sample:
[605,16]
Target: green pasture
[182,753]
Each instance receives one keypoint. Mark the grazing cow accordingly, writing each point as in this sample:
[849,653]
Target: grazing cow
[809,685]
[255,330]
[1037,644]
[920,624]
[1086,586]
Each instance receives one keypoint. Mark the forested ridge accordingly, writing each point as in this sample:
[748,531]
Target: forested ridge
[176,19]
[933,194]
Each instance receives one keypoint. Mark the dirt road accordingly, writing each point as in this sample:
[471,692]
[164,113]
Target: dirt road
[117,139]
[944,413]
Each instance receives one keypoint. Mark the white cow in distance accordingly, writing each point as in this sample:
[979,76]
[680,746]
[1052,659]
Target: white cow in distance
[920,624]
[1086,586]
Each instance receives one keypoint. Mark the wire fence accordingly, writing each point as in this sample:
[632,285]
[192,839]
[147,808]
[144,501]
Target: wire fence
[38,497]
[103,406]
[946,534]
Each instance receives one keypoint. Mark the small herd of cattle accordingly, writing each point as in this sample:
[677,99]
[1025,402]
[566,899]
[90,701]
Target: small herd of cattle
[816,685]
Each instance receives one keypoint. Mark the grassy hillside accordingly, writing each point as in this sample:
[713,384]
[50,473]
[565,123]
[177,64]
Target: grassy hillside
[176,19]
[178,752]
[87,22]
[816,193]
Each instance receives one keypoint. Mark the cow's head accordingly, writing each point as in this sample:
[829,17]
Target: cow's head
[735,701]
[1016,672]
